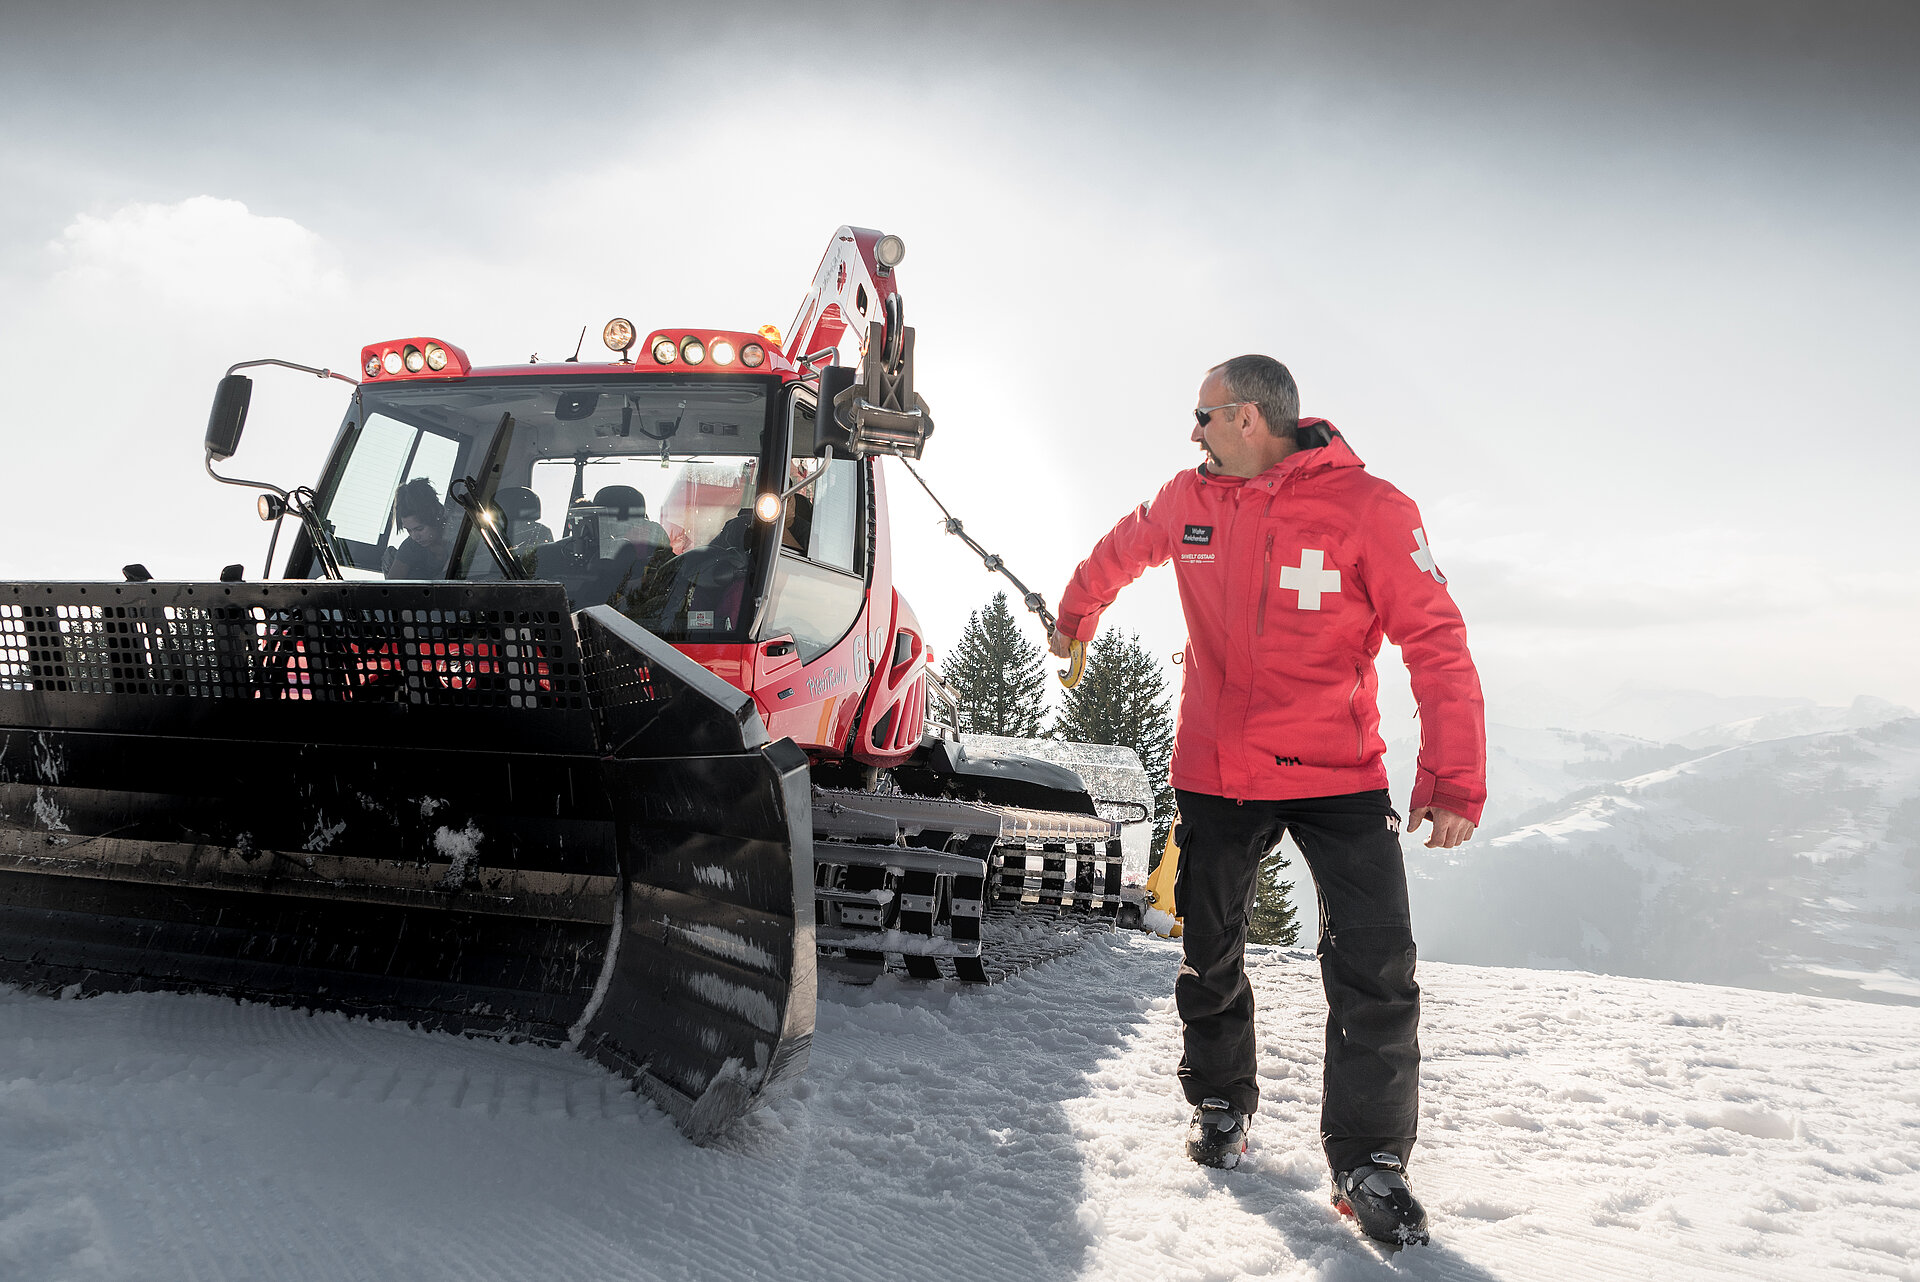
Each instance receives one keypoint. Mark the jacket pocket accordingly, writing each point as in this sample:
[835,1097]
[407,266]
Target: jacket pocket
[1353,711]
[1266,581]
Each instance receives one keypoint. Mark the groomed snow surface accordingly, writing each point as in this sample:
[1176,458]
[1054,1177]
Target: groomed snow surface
[1574,1127]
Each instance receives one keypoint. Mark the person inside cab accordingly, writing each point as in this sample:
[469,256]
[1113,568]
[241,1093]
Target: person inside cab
[422,517]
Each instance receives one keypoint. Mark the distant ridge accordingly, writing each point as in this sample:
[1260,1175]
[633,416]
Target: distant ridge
[1788,863]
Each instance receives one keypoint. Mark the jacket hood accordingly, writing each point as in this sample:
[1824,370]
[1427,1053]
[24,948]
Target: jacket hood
[1336,453]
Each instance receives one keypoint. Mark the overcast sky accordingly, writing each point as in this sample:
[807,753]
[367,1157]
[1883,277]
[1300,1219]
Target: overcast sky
[1621,295]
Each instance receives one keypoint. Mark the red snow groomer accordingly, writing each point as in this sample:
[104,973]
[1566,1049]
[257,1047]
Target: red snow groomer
[586,710]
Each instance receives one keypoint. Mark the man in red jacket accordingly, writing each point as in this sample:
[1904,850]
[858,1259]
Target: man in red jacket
[1293,563]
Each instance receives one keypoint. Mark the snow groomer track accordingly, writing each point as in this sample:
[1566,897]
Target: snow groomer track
[945,889]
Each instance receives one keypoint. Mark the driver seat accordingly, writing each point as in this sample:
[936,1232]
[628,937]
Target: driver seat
[628,542]
[520,516]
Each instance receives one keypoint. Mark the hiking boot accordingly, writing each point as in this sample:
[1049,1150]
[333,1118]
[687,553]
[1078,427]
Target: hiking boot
[1376,1195]
[1217,1136]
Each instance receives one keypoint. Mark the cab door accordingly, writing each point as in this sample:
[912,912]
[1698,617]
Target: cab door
[810,657]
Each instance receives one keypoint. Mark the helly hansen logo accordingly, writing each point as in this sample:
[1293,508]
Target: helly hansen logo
[1198,534]
[1287,761]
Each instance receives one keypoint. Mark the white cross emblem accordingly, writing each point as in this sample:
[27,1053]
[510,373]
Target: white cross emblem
[1310,578]
[1423,556]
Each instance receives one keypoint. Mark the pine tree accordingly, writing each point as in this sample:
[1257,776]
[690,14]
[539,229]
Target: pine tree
[1000,675]
[1274,919]
[1123,698]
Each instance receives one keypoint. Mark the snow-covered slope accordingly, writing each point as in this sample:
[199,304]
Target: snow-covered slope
[1530,771]
[1863,712]
[1574,1127]
[1665,713]
[1785,863]
[1533,770]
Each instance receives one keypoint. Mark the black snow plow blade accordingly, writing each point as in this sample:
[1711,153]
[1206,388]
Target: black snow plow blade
[451,804]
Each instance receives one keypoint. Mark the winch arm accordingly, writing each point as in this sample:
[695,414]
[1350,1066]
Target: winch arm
[874,409]
[852,288]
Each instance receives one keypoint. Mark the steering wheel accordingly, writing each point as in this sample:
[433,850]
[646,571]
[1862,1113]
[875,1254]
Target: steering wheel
[567,555]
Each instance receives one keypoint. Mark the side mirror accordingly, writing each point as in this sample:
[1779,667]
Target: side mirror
[830,434]
[229,416]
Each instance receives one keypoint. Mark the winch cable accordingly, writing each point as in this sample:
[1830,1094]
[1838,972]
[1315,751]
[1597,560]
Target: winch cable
[1076,650]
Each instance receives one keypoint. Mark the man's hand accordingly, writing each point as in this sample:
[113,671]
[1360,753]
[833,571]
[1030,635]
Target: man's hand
[1449,829]
[1059,643]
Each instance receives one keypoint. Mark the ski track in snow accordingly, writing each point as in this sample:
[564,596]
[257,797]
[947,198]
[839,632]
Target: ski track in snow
[1574,1126]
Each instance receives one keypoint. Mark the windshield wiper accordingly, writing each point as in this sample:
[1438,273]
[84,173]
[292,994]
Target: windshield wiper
[473,501]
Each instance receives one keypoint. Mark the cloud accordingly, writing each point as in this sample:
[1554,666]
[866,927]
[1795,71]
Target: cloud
[203,252]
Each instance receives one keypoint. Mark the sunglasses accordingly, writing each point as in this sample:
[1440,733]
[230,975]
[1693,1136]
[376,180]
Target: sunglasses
[1206,412]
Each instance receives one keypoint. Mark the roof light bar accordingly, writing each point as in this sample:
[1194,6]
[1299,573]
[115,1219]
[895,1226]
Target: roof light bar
[715,350]
[414,357]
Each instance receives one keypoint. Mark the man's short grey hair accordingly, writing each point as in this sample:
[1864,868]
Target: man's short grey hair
[1263,381]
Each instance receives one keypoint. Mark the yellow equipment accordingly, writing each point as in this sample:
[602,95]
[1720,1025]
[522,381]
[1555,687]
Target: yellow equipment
[1076,666]
[1163,915]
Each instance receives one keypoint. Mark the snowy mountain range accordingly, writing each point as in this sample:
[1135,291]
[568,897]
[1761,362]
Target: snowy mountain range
[1778,850]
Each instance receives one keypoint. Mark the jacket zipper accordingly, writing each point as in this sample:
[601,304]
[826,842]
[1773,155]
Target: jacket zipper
[1353,710]
[1266,580]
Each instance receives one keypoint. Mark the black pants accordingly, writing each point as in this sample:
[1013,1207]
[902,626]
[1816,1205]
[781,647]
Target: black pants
[1371,1091]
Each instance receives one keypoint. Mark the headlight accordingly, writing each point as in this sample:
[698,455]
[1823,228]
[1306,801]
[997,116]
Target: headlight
[618,335]
[392,362]
[436,357]
[373,366]
[270,507]
[692,350]
[663,351]
[753,355]
[767,507]
[722,352]
[415,359]
[888,251]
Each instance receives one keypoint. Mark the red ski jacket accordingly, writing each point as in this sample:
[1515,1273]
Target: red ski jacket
[1289,581]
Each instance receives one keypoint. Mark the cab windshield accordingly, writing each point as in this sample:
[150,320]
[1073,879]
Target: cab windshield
[633,493]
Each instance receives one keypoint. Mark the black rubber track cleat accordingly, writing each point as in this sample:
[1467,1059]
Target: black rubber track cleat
[1217,1136]
[1376,1195]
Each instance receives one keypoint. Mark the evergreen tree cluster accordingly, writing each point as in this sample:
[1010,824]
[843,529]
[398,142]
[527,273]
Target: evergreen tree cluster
[1123,698]
[1274,919]
[1001,676]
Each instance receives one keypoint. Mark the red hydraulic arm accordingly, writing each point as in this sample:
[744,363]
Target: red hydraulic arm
[854,286]
[877,412]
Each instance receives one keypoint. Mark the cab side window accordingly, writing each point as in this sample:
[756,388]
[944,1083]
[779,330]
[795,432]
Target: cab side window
[819,583]
[834,537]
[387,455]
